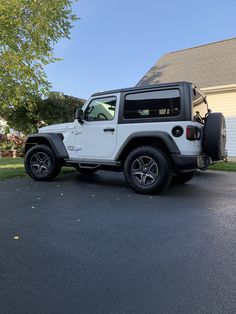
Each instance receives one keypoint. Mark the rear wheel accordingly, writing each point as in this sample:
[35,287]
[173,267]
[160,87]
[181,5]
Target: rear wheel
[41,163]
[147,170]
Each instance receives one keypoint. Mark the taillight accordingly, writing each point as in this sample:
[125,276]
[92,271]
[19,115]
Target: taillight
[193,133]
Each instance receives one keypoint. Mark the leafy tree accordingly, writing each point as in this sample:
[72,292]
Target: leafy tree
[29,30]
[36,112]
[59,108]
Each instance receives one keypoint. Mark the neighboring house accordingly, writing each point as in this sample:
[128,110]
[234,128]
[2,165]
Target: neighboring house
[211,67]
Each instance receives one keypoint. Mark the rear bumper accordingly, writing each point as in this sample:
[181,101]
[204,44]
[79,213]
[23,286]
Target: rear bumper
[185,163]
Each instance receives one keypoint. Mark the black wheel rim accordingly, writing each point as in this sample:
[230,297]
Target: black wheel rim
[40,163]
[144,170]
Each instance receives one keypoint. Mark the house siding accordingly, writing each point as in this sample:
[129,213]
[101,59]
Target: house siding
[231,136]
[225,101]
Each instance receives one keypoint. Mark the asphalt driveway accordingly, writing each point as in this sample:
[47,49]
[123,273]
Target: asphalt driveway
[90,245]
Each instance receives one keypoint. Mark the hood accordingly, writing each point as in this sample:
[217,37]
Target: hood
[56,127]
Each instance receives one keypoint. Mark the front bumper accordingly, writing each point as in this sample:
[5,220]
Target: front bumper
[186,163]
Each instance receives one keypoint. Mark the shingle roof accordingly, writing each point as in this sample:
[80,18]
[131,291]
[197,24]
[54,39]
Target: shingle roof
[209,65]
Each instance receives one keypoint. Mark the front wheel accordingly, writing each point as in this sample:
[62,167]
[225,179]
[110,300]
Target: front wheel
[41,163]
[148,170]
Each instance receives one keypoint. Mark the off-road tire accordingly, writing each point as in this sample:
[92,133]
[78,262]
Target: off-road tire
[183,177]
[214,136]
[148,170]
[41,164]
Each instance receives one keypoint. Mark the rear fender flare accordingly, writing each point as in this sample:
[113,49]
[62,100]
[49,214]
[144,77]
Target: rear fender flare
[163,136]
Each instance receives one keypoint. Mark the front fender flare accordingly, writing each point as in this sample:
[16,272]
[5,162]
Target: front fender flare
[55,140]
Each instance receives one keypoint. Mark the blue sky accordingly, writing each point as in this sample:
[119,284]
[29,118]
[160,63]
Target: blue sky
[116,41]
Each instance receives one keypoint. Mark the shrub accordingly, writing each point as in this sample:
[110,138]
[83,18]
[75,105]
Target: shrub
[12,142]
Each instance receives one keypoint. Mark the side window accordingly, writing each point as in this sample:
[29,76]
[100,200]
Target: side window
[101,109]
[153,104]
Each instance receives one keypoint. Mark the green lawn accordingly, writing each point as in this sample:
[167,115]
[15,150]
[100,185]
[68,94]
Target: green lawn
[14,167]
[11,167]
[226,166]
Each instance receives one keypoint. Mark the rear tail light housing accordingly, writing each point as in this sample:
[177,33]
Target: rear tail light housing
[193,133]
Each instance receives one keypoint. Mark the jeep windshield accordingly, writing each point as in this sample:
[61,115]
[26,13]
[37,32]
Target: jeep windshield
[200,105]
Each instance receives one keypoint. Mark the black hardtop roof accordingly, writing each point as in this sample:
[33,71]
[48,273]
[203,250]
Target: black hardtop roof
[137,88]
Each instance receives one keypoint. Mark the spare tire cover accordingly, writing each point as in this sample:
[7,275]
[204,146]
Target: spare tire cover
[214,136]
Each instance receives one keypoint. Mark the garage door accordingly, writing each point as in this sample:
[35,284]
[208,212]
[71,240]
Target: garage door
[231,136]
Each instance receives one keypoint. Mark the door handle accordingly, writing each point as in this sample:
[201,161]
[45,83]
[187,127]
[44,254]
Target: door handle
[109,130]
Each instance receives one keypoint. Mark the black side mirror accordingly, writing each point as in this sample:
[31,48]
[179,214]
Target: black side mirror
[79,116]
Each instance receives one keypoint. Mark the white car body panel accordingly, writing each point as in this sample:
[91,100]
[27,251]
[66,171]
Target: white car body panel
[89,141]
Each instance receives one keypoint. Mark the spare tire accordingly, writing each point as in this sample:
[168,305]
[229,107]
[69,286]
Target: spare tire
[214,136]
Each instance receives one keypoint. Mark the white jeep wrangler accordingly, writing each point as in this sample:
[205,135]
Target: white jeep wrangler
[154,134]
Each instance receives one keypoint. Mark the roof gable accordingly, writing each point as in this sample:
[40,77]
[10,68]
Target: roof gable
[208,65]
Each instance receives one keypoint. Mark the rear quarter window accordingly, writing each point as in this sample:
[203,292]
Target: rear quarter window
[152,104]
